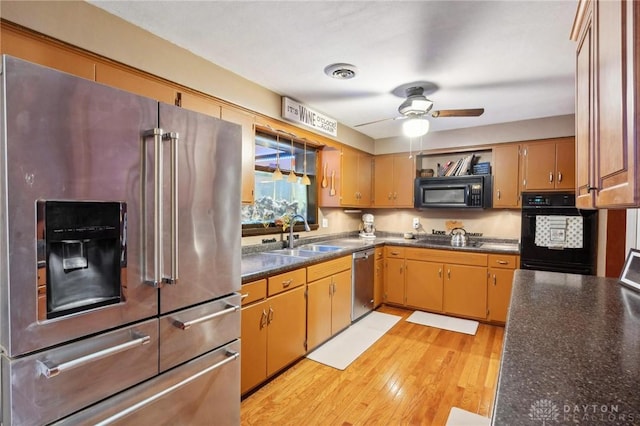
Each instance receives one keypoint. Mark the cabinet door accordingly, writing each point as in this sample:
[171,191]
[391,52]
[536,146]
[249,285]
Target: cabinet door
[465,291]
[349,181]
[615,139]
[330,160]
[139,84]
[506,181]
[34,50]
[318,312]
[565,164]
[584,118]
[540,166]
[394,281]
[365,164]
[248,149]
[200,104]
[424,285]
[341,301]
[499,293]
[287,329]
[404,174]
[253,336]
[383,181]
[378,282]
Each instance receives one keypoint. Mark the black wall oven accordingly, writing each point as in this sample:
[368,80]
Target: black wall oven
[556,236]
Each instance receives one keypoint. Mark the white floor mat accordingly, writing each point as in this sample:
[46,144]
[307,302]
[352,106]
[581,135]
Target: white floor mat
[347,346]
[444,322]
[460,417]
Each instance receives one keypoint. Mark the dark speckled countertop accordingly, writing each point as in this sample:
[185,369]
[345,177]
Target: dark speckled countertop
[571,352]
[257,264]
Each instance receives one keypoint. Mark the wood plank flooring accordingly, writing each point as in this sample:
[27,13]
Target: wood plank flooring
[413,375]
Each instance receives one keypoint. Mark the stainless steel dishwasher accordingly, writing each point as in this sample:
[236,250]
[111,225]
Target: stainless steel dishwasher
[362,283]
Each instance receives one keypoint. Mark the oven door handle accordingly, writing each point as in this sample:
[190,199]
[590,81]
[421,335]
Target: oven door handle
[49,370]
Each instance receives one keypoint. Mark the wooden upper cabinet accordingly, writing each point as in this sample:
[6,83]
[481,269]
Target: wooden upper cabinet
[506,181]
[138,83]
[394,176]
[584,116]
[246,120]
[355,185]
[200,103]
[607,35]
[549,165]
[52,56]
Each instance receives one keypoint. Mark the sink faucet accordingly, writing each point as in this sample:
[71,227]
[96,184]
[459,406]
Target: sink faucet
[292,222]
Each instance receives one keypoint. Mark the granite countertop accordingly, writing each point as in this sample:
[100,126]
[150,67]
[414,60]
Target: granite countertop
[571,352]
[257,263]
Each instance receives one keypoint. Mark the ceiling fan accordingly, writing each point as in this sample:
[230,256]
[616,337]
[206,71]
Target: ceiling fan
[418,106]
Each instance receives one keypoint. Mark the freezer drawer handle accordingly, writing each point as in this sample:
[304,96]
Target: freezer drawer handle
[186,324]
[173,137]
[53,370]
[231,356]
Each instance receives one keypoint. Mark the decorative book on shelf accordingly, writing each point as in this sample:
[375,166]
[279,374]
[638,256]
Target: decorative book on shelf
[462,167]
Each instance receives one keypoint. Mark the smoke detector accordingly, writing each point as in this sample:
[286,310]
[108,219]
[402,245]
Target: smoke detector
[341,71]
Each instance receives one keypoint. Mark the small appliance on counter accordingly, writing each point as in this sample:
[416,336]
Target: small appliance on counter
[367,226]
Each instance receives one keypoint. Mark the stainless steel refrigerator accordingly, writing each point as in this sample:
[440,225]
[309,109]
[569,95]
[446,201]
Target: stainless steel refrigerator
[119,256]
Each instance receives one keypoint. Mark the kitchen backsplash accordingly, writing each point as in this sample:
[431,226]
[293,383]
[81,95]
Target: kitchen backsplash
[489,223]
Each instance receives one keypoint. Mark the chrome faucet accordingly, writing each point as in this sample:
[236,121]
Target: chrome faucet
[292,222]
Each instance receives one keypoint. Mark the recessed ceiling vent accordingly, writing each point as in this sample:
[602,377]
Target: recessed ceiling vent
[341,71]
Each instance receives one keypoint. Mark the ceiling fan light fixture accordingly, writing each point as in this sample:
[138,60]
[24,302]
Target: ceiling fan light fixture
[417,104]
[341,71]
[415,126]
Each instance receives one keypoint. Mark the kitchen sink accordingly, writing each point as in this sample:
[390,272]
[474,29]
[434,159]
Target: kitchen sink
[293,252]
[320,247]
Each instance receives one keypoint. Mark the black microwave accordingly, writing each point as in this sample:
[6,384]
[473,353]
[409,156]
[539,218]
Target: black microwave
[472,191]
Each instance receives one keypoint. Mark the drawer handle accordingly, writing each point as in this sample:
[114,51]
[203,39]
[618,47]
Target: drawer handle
[49,371]
[287,283]
[230,356]
[244,296]
[186,324]
[395,253]
[502,262]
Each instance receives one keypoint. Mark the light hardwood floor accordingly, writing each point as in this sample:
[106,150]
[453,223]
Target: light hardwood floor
[412,375]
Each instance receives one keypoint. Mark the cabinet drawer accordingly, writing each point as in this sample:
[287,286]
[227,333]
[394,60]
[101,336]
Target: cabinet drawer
[393,251]
[321,270]
[287,281]
[256,290]
[507,261]
[447,256]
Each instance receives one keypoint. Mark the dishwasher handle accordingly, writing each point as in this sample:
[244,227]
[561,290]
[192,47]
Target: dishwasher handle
[363,254]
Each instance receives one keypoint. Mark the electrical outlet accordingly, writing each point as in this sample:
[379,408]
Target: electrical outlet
[416,223]
[325,222]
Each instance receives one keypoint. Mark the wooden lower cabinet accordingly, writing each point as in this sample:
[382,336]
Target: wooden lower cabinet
[452,282]
[378,278]
[272,334]
[424,285]
[465,291]
[328,307]
[499,282]
[328,300]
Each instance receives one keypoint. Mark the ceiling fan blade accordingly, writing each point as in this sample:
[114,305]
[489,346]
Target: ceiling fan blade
[379,121]
[474,112]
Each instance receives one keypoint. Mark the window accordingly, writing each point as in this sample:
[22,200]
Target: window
[276,199]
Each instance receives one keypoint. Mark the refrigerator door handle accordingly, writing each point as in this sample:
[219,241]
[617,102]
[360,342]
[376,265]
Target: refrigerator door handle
[48,370]
[173,137]
[156,277]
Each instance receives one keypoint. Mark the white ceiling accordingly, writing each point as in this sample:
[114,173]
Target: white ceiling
[514,58]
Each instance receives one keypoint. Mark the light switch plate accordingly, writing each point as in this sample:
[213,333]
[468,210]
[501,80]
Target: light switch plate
[325,223]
